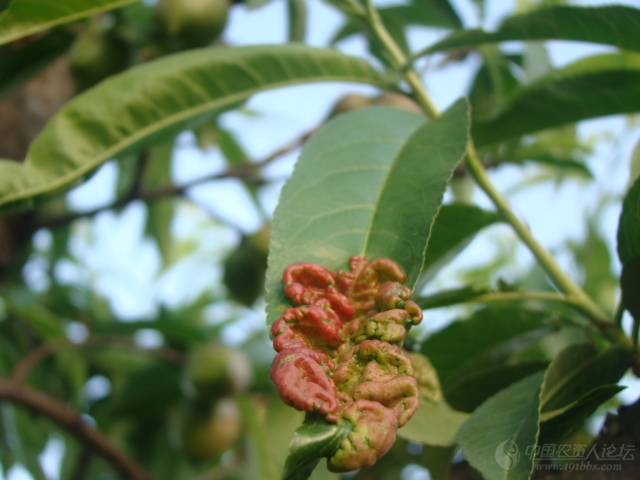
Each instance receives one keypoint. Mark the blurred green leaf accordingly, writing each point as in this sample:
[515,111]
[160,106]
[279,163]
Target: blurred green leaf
[593,259]
[495,439]
[592,87]
[115,117]
[453,228]
[20,64]
[44,323]
[297,10]
[354,191]
[493,83]
[435,425]
[396,19]
[560,148]
[428,13]
[577,370]
[629,282]
[157,174]
[614,25]
[261,464]
[457,344]
[467,391]
[26,17]
[148,392]
[560,424]
[629,225]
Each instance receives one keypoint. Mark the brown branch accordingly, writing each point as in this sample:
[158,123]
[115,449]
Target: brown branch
[35,356]
[73,423]
[246,172]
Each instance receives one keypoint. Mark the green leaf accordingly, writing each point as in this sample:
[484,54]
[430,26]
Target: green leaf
[629,225]
[629,281]
[469,390]
[435,425]
[398,17]
[148,392]
[44,323]
[560,424]
[452,347]
[614,25]
[18,65]
[314,439]
[577,370]
[593,258]
[157,174]
[560,148]
[369,183]
[260,464]
[495,439]
[26,17]
[437,460]
[297,11]
[492,84]
[157,97]
[593,87]
[453,229]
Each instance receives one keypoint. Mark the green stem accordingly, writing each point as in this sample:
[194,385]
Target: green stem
[561,280]
[525,295]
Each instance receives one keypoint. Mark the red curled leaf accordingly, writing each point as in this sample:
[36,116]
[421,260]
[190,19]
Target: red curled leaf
[399,394]
[307,326]
[310,284]
[301,378]
[368,278]
[373,434]
[370,360]
[386,326]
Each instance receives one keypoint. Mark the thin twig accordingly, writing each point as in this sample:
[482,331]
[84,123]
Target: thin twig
[35,356]
[51,408]
[246,172]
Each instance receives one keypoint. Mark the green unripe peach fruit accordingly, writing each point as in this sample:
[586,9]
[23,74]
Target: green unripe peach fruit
[208,433]
[349,102]
[193,23]
[246,266]
[214,371]
[392,99]
[94,56]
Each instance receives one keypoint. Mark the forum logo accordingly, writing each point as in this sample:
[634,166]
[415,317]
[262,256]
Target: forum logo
[507,455]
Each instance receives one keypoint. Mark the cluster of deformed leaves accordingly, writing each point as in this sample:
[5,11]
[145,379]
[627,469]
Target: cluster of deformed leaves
[339,353]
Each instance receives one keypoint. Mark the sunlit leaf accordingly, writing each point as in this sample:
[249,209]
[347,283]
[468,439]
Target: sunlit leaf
[166,95]
[369,183]
[26,17]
